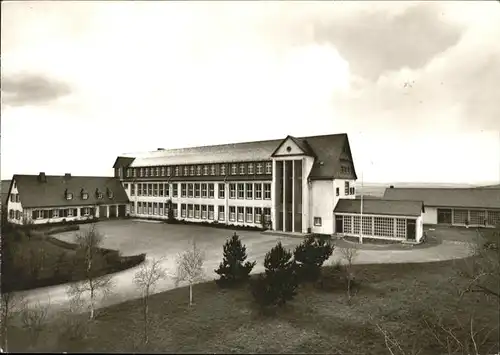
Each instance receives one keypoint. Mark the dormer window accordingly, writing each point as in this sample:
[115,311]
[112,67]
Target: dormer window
[68,195]
[84,195]
[110,193]
[98,194]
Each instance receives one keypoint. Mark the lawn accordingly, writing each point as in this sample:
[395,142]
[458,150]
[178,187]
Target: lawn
[317,321]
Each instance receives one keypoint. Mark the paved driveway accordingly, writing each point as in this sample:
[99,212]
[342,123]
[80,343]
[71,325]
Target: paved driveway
[163,240]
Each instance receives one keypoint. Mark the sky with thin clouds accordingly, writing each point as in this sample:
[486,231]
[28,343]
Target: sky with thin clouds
[414,84]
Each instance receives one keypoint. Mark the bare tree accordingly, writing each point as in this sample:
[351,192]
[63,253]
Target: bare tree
[348,254]
[90,261]
[34,319]
[190,268]
[10,306]
[146,279]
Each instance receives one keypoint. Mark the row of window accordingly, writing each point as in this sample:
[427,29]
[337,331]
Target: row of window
[202,170]
[376,226]
[348,190]
[84,195]
[14,198]
[236,213]
[63,213]
[248,191]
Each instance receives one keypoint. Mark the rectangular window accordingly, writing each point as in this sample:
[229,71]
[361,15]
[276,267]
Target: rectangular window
[129,173]
[221,213]
[183,210]
[176,170]
[174,207]
[167,190]
[191,170]
[203,190]
[160,208]
[241,191]
[259,168]
[233,169]
[146,172]
[162,171]
[198,170]
[139,207]
[150,189]
[223,169]
[155,189]
[183,190]
[232,213]
[241,217]
[242,169]
[317,221]
[132,190]
[205,170]
[197,211]
[249,191]
[211,212]
[190,211]
[257,215]
[150,208]
[383,226]
[197,190]
[232,190]
[155,208]
[269,168]
[250,168]
[249,214]
[169,171]
[222,191]
[267,191]
[190,190]
[71,212]
[203,211]
[144,189]
[186,170]
[337,191]
[352,191]
[258,191]
[211,190]
[175,190]
[157,171]
[212,169]
[346,187]
[401,228]
[55,213]
[161,190]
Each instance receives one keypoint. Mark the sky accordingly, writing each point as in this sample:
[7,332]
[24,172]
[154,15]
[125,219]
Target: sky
[414,84]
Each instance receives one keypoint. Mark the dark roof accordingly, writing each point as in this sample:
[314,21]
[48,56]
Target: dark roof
[327,149]
[381,207]
[448,197]
[122,162]
[34,193]
[4,191]
[490,187]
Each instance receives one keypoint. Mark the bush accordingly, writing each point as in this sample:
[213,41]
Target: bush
[310,256]
[232,270]
[279,283]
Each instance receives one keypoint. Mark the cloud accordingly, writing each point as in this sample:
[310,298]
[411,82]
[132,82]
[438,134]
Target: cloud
[32,89]
[376,42]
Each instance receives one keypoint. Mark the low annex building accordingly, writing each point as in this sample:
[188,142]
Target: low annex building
[476,207]
[380,219]
[42,199]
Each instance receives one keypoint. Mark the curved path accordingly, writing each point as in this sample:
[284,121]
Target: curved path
[257,245]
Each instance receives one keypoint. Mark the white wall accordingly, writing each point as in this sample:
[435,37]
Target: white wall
[430,215]
[307,164]
[294,149]
[420,228]
[15,206]
[322,206]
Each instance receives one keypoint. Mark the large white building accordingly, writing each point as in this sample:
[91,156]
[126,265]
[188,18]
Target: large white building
[294,184]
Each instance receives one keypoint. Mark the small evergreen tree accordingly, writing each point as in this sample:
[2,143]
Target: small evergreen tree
[279,283]
[233,269]
[170,216]
[310,256]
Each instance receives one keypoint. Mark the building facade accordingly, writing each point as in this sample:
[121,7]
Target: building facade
[475,207]
[290,185]
[41,199]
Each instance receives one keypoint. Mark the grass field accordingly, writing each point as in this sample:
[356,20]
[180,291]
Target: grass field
[317,321]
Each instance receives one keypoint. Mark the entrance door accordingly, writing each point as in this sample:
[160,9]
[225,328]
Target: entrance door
[444,216]
[411,229]
[122,209]
[103,211]
[339,224]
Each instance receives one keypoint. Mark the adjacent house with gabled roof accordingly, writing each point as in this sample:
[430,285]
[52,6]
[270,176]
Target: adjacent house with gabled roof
[475,207]
[42,198]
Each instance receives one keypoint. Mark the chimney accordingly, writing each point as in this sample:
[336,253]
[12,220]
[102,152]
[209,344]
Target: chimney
[42,177]
[391,187]
[67,176]
[160,148]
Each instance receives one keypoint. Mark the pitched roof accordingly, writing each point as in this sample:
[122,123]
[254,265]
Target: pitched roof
[51,193]
[4,191]
[448,197]
[381,207]
[327,150]
[123,162]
